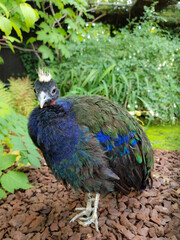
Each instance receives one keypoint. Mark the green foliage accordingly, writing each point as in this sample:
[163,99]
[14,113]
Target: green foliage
[20,95]
[58,22]
[14,180]
[138,68]
[16,150]
[18,16]
[58,26]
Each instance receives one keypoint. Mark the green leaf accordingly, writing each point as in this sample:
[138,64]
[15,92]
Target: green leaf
[34,160]
[12,39]
[46,52]
[17,143]
[2,194]
[64,50]
[17,29]
[31,40]
[107,71]
[1,150]
[11,46]
[5,25]
[80,20]
[72,24]
[5,9]
[7,161]
[69,12]
[62,31]
[30,15]
[13,180]
[1,60]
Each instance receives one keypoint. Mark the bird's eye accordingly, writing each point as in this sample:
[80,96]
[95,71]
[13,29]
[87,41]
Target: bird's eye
[53,91]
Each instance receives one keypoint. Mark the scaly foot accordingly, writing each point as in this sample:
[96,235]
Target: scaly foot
[87,212]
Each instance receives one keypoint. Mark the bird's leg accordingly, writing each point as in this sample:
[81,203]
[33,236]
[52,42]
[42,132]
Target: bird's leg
[85,211]
[94,217]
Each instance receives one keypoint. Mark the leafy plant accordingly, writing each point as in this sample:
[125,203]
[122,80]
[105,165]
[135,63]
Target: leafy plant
[16,150]
[59,21]
[63,22]
[16,16]
[143,65]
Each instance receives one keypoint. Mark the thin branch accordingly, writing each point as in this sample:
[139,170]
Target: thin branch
[100,16]
[58,20]
[12,9]
[20,48]
[36,53]
[111,4]
[92,9]
[53,13]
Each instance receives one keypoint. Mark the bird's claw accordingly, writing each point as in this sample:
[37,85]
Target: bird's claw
[89,211]
[89,220]
[85,212]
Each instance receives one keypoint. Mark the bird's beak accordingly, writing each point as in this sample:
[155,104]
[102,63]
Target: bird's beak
[43,97]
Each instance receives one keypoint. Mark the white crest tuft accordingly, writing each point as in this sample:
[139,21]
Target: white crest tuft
[44,76]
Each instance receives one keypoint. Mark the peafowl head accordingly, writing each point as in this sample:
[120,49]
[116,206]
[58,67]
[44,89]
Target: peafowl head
[46,89]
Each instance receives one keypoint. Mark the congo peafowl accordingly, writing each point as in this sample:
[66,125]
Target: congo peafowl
[90,143]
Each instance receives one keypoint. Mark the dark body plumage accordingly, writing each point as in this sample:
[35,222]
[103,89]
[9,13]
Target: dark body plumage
[92,144]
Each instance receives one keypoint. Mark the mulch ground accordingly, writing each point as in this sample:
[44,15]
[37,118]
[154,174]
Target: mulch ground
[45,211]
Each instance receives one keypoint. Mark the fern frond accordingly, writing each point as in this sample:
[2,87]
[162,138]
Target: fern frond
[22,95]
[4,93]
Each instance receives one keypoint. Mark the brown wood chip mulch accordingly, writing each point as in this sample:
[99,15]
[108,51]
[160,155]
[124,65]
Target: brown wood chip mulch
[45,211]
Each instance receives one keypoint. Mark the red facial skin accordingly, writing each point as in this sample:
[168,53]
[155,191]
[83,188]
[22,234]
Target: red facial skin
[50,104]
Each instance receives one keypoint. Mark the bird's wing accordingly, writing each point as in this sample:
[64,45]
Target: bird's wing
[117,131]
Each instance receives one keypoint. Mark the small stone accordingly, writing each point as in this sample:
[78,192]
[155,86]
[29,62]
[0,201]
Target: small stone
[129,235]
[122,206]
[101,221]
[18,220]
[154,213]
[37,207]
[155,221]
[45,234]
[30,218]
[36,224]
[104,230]
[114,212]
[176,215]
[85,230]
[75,236]
[152,232]
[175,206]
[19,235]
[132,215]
[54,227]
[123,199]
[144,231]
[160,231]
[140,216]
[125,222]
[162,209]
[111,236]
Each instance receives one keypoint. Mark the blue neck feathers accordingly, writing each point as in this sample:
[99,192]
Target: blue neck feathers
[58,132]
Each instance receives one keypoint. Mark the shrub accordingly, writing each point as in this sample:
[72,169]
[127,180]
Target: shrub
[137,68]
[16,150]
